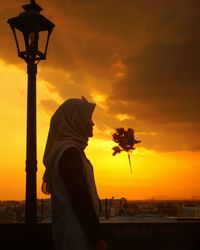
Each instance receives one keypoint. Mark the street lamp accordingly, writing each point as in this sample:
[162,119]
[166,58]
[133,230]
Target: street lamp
[31,31]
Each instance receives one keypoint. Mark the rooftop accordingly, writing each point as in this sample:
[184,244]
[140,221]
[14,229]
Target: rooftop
[121,235]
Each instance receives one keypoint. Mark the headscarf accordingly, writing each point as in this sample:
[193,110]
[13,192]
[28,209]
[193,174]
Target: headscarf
[68,126]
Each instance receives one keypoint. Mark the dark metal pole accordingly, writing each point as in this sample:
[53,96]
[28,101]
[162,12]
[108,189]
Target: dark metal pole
[31,150]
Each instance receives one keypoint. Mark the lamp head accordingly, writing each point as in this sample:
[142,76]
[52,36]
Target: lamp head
[30,23]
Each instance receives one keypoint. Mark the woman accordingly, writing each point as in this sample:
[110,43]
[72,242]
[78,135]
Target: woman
[70,180]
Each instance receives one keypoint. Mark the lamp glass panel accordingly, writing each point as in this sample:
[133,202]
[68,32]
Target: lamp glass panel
[33,40]
[43,35]
[20,39]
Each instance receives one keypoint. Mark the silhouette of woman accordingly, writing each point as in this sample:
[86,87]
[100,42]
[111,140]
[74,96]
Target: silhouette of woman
[69,178]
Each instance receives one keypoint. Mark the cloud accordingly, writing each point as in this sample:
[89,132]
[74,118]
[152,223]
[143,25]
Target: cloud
[163,82]
[143,56]
[195,148]
[49,105]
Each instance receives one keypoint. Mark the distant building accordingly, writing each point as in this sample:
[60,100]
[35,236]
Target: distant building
[189,211]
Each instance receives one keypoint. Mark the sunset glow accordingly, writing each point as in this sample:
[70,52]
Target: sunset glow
[142,71]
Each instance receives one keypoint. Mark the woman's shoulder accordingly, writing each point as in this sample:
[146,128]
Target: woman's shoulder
[70,157]
[71,153]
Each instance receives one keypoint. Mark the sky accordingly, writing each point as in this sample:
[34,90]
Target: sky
[139,62]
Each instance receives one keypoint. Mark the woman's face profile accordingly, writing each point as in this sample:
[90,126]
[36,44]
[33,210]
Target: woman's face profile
[89,128]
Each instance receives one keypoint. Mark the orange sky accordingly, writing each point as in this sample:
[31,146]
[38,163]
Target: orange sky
[139,63]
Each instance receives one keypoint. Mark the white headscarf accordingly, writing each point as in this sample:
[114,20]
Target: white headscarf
[68,126]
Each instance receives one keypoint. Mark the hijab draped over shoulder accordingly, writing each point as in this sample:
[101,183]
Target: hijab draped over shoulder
[68,127]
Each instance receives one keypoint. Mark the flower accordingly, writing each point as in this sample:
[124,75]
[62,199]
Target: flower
[126,141]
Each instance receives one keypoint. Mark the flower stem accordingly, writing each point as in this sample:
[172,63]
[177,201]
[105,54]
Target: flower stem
[129,158]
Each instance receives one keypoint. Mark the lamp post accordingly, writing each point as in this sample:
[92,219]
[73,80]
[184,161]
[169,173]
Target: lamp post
[28,27]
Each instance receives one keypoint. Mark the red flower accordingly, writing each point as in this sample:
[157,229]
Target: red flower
[126,140]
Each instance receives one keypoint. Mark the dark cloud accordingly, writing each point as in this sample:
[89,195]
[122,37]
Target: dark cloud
[195,148]
[164,80]
[158,45]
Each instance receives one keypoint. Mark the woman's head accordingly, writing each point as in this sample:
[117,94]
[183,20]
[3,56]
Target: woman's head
[71,124]
[73,118]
